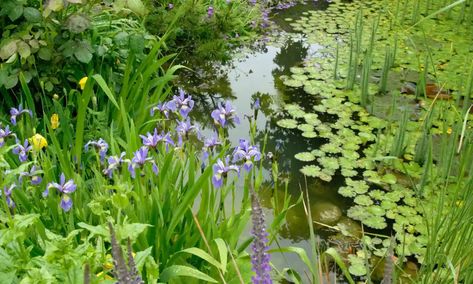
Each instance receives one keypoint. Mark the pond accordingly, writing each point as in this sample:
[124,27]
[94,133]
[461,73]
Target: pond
[344,89]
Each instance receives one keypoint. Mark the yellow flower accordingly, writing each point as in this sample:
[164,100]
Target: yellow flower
[38,142]
[82,82]
[54,121]
[449,130]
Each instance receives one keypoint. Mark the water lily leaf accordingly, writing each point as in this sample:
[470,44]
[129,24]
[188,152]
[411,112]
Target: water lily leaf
[293,83]
[294,110]
[305,127]
[312,119]
[305,156]
[309,134]
[287,123]
[330,163]
[363,200]
[389,178]
[347,191]
[376,222]
[311,171]
[357,265]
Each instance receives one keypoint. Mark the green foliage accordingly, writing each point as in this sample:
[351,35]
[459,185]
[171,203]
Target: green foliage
[56,44]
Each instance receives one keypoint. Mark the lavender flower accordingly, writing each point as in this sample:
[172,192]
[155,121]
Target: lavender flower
[100,145]
[33,174]
[256,104]
[185,127]
[8,191]
[152,140]
[22,151]
[212,142]
[65,188]
[210,12]
[14,112]
[260,257]
[221,169]
[224,114]
[170,6]
[247,153]
[164,108]
[114,163]
[183,103]
[139,160]
[4,133]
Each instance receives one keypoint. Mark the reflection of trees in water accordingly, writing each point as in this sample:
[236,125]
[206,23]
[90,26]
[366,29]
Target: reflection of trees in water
[290,55]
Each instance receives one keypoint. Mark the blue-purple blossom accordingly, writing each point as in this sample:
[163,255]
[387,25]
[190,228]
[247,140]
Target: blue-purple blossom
[256,104]
[139,160]
[15,112]
[183,103]
[22,150]
[114,163]
[185,127]
[210,12]
[4,133]
[170,6]
[259,257]
[34,174]
[212,142]
[100,145]
[65,188]
[247,153]
[8,191]
[220,171]
[152,140]
[164,108]
[224,114]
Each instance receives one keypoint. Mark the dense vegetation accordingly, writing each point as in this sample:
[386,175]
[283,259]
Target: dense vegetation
[107,173]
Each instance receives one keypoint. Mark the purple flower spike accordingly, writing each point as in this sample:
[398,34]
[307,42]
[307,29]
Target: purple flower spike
[8,191]
[100,145]
[65,188]
[33,174]
[4,133]
[247,153]
[139,160]
[256,104]
[14,112]
[210,12]
[224,114]
[183,103]
[22,151]
[220,170]
[260,257]
[114,163]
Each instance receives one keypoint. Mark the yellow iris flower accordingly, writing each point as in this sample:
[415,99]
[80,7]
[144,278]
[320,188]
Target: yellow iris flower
[38,142]
[82,82]
[54,121]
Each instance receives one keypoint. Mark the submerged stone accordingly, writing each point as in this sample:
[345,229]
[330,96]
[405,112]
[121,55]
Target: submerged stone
[326,213]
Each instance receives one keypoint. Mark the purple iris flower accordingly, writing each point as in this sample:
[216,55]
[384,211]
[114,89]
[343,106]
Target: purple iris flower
[8,191]
[256,104]
[183,103]
[100,145]
[247,153]
[34,174]
[139,160]
[212,142]
[4,133]
[152,140]
[114,163]
[259,257]
[210,12]
[221,169]
[170,6]
[164,108]
[65,188]
[22,151]
[14,112]
[224,114]
[185,127]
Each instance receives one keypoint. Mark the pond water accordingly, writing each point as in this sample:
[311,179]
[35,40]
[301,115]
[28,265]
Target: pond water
[305,81]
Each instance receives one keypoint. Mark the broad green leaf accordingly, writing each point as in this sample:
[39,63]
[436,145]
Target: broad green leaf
[174,271]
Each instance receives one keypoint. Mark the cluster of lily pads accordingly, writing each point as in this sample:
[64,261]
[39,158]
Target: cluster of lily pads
[352,141]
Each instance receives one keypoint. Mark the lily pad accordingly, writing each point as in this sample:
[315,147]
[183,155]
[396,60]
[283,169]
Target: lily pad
[305,156]
[287,123]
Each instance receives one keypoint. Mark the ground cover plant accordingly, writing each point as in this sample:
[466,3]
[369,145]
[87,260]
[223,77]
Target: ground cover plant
[107,174]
